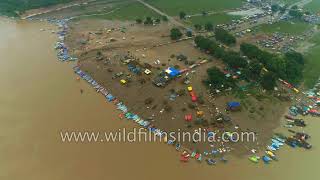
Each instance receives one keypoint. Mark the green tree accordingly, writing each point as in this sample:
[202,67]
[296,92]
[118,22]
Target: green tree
[148,21]
[157,20]
[164,18]
[208,26]
[182,15]
[268,81]
[175,34]
[224,36]
[216,79]
[275,7]
[139,21]
[198,27]
[234,60]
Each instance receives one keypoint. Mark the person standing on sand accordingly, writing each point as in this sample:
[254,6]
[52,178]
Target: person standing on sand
[81,91]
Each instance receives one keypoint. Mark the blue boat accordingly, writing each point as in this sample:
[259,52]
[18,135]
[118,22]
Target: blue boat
[277,142]
[280,139]
[266,159]
[211,161]
[276,146]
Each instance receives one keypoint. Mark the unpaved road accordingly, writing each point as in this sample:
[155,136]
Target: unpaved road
[177,23]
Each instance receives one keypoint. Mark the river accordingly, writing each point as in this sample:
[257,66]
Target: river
[40,96]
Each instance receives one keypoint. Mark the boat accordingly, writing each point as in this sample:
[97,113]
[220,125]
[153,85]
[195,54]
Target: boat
[270,148]
[266,159]
[289,117]
[254,159]
[276,146]
[193,154]
[270,153]
[178,146]
[277,142]
[280,139]
[184,159]
[211,161]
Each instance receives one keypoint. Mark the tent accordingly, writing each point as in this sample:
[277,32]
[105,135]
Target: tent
[172,72]
[233,105]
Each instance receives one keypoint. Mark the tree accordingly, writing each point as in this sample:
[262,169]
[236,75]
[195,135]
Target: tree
[216,78]
[255,69]
[295,13]
[288,66]
[268,81]
[234,60]
[182,15]
[208,26]
[157,20]
[275,8]
[164,18]
[148,21]
[224,36]
[139,21]
[198,27]
[295,56]
[175,34]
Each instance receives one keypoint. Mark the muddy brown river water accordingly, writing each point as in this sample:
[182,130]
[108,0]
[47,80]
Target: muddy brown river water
[40,96]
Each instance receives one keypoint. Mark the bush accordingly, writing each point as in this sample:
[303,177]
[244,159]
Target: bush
[268,81]
[224,36]
[138,21]
[208,26]
[175,34]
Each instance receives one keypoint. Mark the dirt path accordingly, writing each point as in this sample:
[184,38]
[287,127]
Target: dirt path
[177,23]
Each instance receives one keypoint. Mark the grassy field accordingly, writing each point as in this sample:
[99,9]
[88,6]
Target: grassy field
[312,70]
[289,2]
[214,19]
[130,11]
[293,28]
[173,7]
[13,7]
[314,6]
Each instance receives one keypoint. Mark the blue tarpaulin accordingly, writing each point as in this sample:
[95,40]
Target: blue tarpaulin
[233,104]
[172,72]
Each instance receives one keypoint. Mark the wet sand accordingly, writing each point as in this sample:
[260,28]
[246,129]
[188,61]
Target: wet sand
[40,97]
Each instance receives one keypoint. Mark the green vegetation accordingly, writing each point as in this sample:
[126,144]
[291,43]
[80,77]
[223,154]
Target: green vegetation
[16,7]
[216,79]
[312,69]
[215,19]
[295,12]
[230,58]
[208,26]
[268,81]
[313,6]
[224,36]
[288,66]
[292,28]
[175,34]
[194,6]
[130,11]
[182,15]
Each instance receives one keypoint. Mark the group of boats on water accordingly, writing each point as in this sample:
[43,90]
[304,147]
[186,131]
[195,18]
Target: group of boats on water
[299,139]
